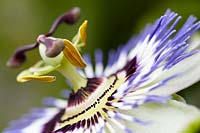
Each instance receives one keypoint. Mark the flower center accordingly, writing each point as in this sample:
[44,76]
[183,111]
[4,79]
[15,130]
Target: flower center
[91,98]
[95,97]
[84,92]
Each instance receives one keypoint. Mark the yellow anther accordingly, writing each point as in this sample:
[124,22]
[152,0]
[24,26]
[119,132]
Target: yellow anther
[72,54]
[82,31]
[34,77]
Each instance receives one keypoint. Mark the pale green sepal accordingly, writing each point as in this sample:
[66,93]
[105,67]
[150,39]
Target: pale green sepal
[178,98]
[172,117]
[194,127]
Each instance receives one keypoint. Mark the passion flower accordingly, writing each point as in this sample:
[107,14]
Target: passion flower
[131,93]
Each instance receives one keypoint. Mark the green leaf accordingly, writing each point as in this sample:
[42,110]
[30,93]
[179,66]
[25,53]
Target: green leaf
[172,117]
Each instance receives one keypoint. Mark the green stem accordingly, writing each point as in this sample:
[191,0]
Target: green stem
[70,72]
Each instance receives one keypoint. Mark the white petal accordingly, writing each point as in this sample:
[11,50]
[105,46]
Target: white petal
[37,125]
[173,117]
[189,73]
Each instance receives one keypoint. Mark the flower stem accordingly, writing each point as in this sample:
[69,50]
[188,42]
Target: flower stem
[70,72]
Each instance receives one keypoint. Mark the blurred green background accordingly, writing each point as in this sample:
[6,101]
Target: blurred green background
[111,23]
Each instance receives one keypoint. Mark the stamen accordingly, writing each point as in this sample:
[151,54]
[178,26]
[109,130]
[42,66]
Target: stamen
[72,55]
[82,29]
[35,77]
